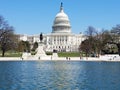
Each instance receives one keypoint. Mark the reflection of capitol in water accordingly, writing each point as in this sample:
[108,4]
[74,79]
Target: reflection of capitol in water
[61,38]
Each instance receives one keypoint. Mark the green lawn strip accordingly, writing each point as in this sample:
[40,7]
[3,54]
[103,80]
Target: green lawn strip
[8,54]
[49,53]
[69,54]
[60,54]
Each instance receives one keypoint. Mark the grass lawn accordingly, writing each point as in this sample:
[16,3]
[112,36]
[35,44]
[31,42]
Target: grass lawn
[69,54]
[60,54]
[9,54]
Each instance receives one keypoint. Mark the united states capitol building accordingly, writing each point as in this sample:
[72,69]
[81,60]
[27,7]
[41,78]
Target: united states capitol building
[61,38]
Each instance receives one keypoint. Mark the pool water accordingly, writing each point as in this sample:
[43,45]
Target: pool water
[59,75]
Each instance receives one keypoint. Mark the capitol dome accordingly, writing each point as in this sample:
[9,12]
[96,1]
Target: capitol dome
[61,23]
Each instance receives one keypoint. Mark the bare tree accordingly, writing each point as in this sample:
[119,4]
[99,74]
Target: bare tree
[115,33]
[85,47]
[24,46]
[7,37]
[116,29]
[91,33]
[96,41]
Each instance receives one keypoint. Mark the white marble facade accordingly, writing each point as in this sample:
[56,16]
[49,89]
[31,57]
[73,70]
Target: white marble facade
[61,38]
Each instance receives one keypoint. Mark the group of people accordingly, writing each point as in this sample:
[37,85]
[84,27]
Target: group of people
[67,58]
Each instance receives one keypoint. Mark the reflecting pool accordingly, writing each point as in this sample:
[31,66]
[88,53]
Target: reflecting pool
[59,75]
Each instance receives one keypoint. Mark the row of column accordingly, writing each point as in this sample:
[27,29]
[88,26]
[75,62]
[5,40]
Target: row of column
[59,40]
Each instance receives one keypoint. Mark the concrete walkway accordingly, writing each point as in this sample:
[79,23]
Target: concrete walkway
[101,58]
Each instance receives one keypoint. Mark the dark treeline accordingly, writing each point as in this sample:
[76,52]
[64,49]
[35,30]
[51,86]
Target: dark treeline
[101,42]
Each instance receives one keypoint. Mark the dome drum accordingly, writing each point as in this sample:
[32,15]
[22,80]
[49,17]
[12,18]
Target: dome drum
[61,25]
[61,21]
[61,31]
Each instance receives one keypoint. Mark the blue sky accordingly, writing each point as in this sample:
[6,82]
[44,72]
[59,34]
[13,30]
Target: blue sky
[36,16]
